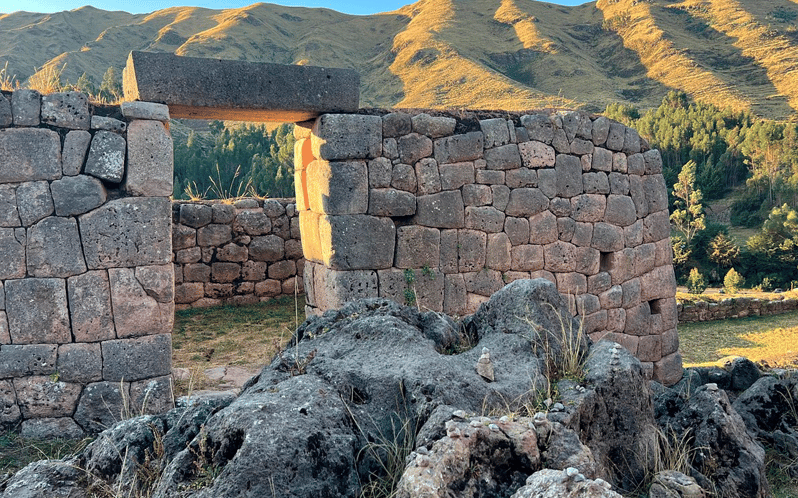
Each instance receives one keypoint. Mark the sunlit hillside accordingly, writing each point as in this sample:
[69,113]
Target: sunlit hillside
[498,54]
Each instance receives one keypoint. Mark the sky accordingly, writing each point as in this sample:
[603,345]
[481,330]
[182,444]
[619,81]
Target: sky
[359,7]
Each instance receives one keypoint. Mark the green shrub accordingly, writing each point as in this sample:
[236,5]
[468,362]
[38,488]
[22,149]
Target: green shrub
[733,281]
[695,282]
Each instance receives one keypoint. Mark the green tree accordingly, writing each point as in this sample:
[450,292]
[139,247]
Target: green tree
[778,238]
[733,281]
[722,250]
[688,216]
[695,282]
[111,86]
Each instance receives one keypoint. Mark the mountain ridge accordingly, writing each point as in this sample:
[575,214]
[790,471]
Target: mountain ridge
[478,54]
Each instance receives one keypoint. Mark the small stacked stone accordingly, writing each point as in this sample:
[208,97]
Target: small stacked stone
[442,211]
[236,253]
[86,281]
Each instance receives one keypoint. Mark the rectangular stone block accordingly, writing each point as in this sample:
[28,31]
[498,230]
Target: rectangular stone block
[9,214]
[81,363]
[527,257]
[54,248]
[483,283]
[421,288]
[498,254]
[5,337]
[357,242]
[37,311]
[391,202]
[128,232]
[236,90]
[138,358]
[311,236]
[668,370]
[106,159]
[660,283]
[417,247]
[149,159]
[41,397]
[9,409]
[33,359]
[26,106]
[136,311]
[459,148]
[471,250]
[66,110]
[334,288]
[455,298]
[454,176]
[29,154]
[90,307]
[12,247]
[338,187]
[340,137]
[441,210]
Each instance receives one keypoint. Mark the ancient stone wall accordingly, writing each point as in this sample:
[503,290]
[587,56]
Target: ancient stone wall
[737,307]
[86,280]
[442,211]
[239,253]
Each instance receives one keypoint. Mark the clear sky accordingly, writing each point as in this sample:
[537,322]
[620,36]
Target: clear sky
[141,6]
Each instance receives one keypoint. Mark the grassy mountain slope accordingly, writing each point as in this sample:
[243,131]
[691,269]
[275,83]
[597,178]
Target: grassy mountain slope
[506,54]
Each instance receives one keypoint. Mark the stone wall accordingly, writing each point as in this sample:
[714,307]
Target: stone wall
[239,253]
[86,280]
[443,210]
[737,307]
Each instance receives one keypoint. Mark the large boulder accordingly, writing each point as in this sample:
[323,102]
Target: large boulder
[723,451]
[769,409]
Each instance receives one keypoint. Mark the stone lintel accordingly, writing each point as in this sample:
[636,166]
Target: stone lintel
[197,88]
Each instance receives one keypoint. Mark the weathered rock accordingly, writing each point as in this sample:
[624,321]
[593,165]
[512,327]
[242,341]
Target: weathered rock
[75,195]
[108,124]
[66,110]
[29,154]
[128,232]
[338,187]
[54,248]
[724,451]
[6,118]
[549,483]
[136,310]
[34,202]
[391,202]
[467,462]
[51,428]
[674,484]
[24,360]
[43,397]
[149,159]
[106,159]
[26,107]
[767,408]
[138,358]
[354,242]
[102,405]
[37,311]
[145,110]
[12,246]
[47,478]
[76,144]
[9,216]
[340,137]
[433,126]
[80,362]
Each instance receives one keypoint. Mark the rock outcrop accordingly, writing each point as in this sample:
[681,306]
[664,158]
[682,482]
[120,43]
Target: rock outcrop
[377,388]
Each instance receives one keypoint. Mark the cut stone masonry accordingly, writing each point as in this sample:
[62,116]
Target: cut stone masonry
[86,279]
[442,211]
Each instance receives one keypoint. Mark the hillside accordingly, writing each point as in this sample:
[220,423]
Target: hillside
[510,54]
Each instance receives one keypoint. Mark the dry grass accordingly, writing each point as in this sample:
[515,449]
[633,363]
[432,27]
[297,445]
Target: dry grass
[244,336]
[772,339]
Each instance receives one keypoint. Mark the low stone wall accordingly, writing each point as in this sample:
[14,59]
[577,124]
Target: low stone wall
[443,210]
[738,307]
[239,253]
[86,280]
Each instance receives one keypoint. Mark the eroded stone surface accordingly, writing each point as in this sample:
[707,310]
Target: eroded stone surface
[37,311]
[149,159]
[90,307]
[127,232]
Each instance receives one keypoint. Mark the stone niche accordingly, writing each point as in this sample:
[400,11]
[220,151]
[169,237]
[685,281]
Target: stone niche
[443,210]
[86,276]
